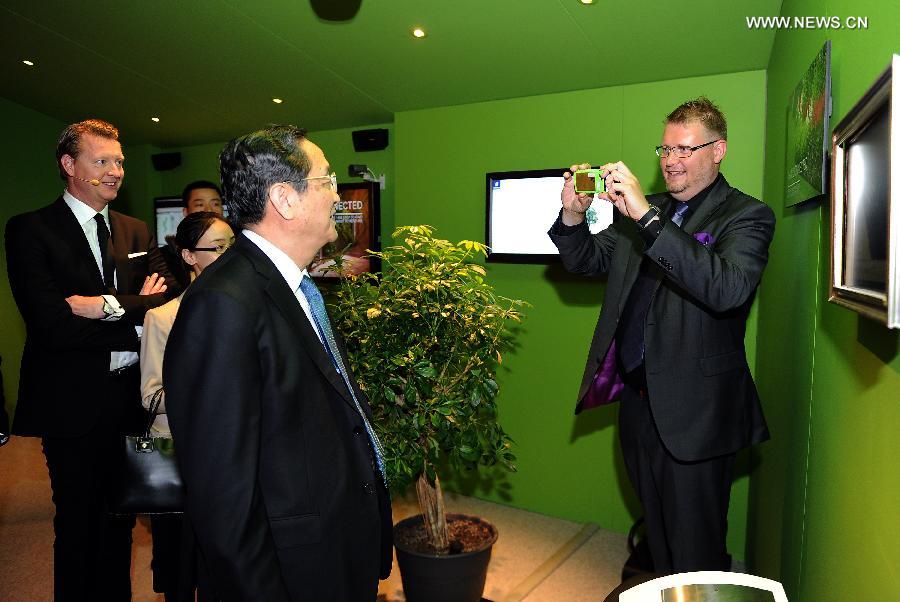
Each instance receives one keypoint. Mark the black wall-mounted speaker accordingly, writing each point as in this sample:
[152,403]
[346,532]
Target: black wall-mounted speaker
[165,161]
[370,140]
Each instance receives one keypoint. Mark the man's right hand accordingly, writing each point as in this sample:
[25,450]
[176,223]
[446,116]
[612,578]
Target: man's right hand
[154,283]
[575,205]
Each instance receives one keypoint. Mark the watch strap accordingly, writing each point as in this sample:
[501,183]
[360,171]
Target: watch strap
[647,217]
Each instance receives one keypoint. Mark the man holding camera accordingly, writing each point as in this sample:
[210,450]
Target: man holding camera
[683,271]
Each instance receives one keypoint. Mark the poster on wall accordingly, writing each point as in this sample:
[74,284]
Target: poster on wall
[809,109]
[357,223]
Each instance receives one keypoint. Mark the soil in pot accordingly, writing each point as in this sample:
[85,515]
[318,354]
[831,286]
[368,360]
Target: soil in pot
[467,534]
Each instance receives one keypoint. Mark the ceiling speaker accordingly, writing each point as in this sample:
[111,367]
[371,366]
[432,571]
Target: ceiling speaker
[370,140]
[165,161]
[335,10]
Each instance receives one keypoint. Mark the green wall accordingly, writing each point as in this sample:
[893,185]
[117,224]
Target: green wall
[568,467]
[201,162]
[823,513]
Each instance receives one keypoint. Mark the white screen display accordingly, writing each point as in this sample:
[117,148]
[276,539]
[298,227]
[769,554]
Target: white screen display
[521,210]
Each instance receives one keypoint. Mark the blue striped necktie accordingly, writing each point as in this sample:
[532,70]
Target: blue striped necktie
[323,324]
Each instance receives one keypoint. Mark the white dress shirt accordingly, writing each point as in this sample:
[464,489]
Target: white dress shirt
[85,216]
[291,272]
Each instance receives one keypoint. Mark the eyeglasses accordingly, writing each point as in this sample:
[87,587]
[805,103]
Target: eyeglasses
[332,176]
[218,249]
[682,152]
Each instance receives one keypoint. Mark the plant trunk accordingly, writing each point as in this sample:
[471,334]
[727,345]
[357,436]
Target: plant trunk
[431,503]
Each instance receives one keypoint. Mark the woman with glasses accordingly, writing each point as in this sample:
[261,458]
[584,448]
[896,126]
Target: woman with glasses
[200,239]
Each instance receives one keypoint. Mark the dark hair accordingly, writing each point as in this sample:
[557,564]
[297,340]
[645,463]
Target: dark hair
[192,228]
[249,165]
[702,110]
[197,185]
[69,142]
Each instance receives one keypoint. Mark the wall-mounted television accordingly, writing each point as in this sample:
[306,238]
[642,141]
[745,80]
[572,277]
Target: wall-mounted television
[168,213]
[521,207]
[358,224]
[865,203]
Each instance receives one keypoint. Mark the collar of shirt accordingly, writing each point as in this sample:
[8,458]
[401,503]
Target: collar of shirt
[83,213]
[289,270]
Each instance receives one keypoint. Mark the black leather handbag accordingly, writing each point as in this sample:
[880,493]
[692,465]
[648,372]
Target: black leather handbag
[147,480]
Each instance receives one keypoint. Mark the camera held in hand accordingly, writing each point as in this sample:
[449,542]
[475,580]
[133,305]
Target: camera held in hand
[589,181]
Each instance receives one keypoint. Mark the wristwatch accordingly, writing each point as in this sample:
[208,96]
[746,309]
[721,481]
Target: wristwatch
[648,217]
[108,309]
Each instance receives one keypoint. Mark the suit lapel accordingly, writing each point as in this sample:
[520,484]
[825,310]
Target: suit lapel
[72,233]
[708,207]
[284,299]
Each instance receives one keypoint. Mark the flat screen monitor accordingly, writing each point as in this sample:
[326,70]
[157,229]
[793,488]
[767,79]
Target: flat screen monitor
[357,220]
[168,213]
[521,207]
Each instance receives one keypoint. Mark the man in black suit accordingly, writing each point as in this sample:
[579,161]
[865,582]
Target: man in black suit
[683,271]
[200,195]
[284,481]
[80,275]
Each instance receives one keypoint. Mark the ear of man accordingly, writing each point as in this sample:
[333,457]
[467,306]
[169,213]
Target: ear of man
[280,195]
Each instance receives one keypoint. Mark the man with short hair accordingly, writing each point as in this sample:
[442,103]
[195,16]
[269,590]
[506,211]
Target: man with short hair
[284,477]
[83,276]
[199,195]
[683,271]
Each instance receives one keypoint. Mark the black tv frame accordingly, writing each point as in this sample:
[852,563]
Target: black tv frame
[515,175]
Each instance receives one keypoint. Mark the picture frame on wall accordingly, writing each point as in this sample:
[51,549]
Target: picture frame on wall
[808,117]
[865,203]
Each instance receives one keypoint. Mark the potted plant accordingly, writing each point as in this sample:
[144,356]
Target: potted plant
[425,338]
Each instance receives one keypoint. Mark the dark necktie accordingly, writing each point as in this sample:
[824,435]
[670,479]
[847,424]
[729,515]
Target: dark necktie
[106,251]
[323,324]
[630,338]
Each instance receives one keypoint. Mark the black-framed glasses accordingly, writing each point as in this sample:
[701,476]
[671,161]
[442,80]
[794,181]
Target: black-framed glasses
[218,249]
[682,152]
[332,177]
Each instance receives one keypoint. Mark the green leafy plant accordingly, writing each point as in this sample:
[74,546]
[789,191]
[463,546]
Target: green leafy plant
[425,338]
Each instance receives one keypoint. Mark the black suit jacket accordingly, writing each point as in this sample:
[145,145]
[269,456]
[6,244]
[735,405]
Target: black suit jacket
[280,485]
[66,357]
[702,395]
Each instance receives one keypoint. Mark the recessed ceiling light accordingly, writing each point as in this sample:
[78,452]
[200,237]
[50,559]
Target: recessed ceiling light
[277,101]
[418,32]
[29,63]
[154,119]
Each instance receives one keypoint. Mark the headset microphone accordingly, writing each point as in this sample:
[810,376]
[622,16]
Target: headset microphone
[94,182]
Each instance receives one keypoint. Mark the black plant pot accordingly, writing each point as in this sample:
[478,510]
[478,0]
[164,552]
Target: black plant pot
[451,578]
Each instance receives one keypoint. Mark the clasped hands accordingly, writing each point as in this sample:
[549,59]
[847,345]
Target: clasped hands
[622,190]
[92,307]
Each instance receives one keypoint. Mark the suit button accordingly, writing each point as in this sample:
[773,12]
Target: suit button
[369,488]
[357,430]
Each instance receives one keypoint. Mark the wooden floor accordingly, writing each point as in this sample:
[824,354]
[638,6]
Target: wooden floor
[537,558]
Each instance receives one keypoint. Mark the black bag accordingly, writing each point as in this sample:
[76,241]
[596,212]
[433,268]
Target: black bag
[147,480]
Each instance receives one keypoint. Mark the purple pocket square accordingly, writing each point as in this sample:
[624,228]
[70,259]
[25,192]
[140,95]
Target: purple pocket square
[705,238]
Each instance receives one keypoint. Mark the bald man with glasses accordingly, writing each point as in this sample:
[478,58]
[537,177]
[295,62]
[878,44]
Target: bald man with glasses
[683,268]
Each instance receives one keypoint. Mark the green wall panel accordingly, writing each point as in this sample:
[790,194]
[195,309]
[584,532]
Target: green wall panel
[823,514]
[569,467]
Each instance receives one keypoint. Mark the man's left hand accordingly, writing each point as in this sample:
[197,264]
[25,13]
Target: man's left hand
[86,307]
[624,191]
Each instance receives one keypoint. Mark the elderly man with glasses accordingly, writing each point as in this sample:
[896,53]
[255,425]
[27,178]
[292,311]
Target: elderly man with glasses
[284,474]
[683,271]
